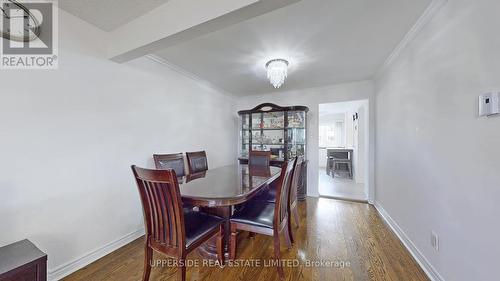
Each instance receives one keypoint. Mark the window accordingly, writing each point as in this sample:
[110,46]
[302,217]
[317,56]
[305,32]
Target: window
[331,135]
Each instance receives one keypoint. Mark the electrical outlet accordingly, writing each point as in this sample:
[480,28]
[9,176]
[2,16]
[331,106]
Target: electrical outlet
[435,241]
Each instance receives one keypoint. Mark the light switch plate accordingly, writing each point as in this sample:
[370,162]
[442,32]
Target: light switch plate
[489,104]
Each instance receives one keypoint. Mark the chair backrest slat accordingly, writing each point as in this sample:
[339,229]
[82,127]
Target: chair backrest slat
[172,217]
[164,194]
[164,223]
[197,161]
[154,202]
[297,174]
[162,206]
[283,192]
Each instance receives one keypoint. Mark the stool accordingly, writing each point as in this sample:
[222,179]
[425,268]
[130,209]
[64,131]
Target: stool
[348,162]
[329,165]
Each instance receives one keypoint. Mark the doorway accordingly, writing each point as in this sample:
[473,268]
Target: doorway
[343,145]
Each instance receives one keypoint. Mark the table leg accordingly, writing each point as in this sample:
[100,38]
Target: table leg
[208,250]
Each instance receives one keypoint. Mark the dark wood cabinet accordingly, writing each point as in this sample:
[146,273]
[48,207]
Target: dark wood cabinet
[22,261]
[281,130]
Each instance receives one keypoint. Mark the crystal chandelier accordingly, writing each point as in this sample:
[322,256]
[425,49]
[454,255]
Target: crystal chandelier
[277,71]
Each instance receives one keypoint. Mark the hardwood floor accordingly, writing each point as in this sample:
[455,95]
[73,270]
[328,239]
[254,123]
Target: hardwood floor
[349,235]
[340,187]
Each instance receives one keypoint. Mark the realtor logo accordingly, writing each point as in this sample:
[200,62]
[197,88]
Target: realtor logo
[29,34]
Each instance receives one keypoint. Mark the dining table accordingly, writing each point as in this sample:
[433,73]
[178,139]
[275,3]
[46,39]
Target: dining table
[220,190]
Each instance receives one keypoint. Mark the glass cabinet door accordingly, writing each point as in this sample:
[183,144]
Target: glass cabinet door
[273,137]
[296,119]
[244,150]
[273,124]
[296,139]
[245,121]
[296,134]
[244,137]
[273,120]
[274,141]
[281,132]
[256,121]
[245,143]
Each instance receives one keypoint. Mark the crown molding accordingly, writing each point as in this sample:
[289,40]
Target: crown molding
[188,74]
[424,19]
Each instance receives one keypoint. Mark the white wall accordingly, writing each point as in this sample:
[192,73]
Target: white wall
[312,98]
[325,120]
[437,163]
[360,133]
[349,129]
[69,136]
[329,118]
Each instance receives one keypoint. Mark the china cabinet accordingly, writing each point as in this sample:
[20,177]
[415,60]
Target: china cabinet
[281,130]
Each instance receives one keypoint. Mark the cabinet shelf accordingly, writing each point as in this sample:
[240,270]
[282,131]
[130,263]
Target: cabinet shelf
[280,144]
[264,129]
[273,129]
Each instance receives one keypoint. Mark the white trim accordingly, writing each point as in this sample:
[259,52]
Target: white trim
[369,183]
[426,17]
[431,272]
[187,74]
[72,266]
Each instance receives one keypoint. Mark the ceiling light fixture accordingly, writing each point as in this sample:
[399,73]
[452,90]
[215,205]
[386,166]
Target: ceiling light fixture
[22,24]
[277,71]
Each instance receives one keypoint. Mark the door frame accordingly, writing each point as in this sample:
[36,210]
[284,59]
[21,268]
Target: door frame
[369,184]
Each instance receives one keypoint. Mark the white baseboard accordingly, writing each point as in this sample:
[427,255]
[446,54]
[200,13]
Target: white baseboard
[410,246]
[72,266]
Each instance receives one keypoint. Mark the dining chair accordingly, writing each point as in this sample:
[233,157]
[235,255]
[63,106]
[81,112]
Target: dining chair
[170,161]
[197,161]
[258,171]
[269,195]
[170,229]
[259,158]
[267,218]
[297,174]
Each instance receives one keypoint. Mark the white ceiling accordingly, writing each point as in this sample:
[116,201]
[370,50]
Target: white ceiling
[326,41]
[109,14]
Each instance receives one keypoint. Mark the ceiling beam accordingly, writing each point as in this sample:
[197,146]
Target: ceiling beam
[178,21]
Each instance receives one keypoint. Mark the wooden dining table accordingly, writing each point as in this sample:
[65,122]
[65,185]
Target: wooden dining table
[217,191]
